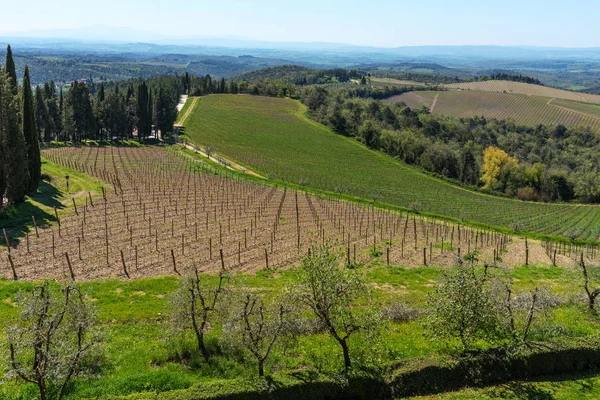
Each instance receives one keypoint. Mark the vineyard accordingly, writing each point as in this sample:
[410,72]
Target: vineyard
[274,137]
[164,211]
[527,89]
[520,108]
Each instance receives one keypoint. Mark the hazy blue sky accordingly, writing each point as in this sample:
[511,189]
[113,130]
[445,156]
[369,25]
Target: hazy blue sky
[385,23]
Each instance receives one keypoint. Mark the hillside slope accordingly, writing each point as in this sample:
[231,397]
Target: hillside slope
[520,108]
[525,88]
[275,137]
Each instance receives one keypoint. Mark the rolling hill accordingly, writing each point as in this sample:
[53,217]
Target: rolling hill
[276,138]
[525,88]
[521,108]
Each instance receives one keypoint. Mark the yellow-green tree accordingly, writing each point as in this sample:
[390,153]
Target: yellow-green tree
[494,159]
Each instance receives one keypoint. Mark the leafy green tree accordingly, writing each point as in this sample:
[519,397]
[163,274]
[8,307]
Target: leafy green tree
[462,307]
[256,323]
[79,120]
[30,133]
[165,111]
[11,70]
[52,337]
[115,115]
[14,146]
[331,293]
[3,152]
[195,303]
[144,116]
[42,118]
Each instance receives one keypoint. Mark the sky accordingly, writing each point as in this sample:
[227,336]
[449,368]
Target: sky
[379,23]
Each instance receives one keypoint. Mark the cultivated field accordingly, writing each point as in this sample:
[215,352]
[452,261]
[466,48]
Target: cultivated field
[394,82]
[520,108]
[274,137]
[525,88]
[162,213]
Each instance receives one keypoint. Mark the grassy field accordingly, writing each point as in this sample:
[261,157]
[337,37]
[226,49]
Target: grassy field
[521,108]
[525,88]
[275,137]
[52,194]
[140,350]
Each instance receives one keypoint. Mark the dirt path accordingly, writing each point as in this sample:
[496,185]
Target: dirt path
[189,110]
[435,99]
[232,165]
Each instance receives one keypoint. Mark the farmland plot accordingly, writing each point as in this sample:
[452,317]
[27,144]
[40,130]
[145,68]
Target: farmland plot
[520,108]
[274,137]
[163,213]
[527,89]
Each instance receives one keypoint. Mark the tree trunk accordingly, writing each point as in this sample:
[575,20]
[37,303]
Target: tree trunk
[261,368]
[591,302]
[201,345]
[42,387]
[346,351]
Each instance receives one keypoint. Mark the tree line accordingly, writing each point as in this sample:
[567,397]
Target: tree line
[133,109]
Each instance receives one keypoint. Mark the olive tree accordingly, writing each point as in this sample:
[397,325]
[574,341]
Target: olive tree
[256,325]
[590,273]
[518,312]
[51,337]
[194,303]
[331,293]
[462,306]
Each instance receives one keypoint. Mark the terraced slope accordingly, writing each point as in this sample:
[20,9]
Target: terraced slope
[525,88]
[276,138]
[521,108]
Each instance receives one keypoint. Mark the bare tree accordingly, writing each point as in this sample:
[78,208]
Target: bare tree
[51,337]
[330,292]
[591,294]
[257,326]
[195,302]
[519,312]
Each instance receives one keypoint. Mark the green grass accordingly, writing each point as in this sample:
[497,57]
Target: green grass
[51,193]
[133,318]
[275,138]
[570,387]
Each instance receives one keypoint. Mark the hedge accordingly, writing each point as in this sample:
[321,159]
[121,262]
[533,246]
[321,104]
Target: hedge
[408,378]
[286,388]
[434,375]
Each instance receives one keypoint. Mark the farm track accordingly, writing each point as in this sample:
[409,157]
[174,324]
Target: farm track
[164,213]
[189,110]
[433,104]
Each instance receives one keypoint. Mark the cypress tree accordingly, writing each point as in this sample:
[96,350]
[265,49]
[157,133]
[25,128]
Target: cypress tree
[30,134]
[142,112]
[60,126]
[11,71]
[150,115]
[15,157]
[3,78]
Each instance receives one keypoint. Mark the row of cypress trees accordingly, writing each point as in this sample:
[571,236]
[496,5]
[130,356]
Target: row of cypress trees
[20,161]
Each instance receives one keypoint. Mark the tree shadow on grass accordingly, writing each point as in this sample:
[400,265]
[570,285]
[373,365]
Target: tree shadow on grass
[520,390]
[17,219]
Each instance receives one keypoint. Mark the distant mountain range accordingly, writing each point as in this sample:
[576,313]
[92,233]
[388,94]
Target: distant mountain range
[100,38]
